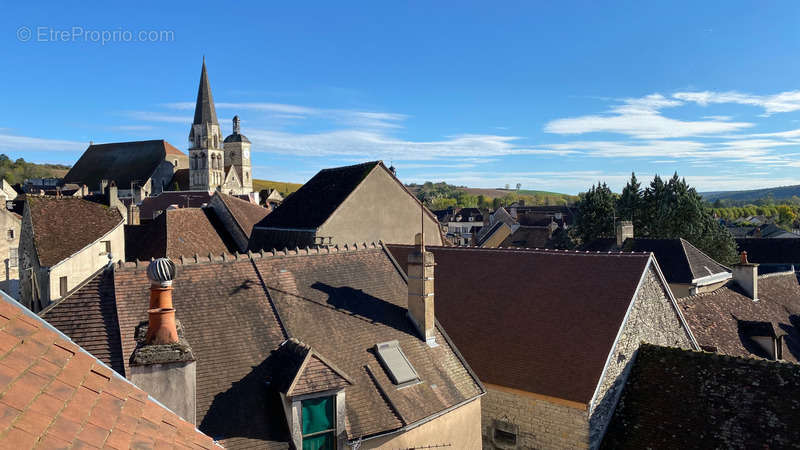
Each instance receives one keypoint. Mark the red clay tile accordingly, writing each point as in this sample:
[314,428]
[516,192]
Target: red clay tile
[80,405]
[58,355]
[20,328]
[127,423]
[18,361]
[7,416]
[103,370]
[16,438]
[119,440]
[64,428]
[47,404]
[52,443]
[118,388]
[60,390]
[7,374]
[142,441]
[95,381]
[7,342]
[33,422]
[23,390]
[45,368]
[93,435]
[153,412]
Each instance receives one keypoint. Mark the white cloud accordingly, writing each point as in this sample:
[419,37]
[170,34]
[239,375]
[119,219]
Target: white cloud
[787,101]
[641,118]
[25,143]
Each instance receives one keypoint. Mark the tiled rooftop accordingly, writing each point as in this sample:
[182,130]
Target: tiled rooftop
[55,395]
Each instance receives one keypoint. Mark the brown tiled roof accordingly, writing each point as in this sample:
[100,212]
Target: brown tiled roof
[528,237]
[229,322]
[55,395]
[312,204]
[178,232]
[716,318]
[344,303]
[89,316]
[184,199]
[122,162]
[678,398]
[340,303]
[63,226]
[171,150]
[535,320]
[244,213]
[298,370]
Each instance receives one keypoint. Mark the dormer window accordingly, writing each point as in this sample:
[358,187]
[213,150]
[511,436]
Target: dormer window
[319,422]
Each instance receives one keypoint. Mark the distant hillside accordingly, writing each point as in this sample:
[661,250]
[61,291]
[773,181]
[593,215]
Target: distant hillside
[442,195]
[777,194]
[17,171]
[284,188]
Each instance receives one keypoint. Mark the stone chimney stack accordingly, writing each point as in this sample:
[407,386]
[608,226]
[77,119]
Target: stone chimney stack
[624,230]
[420,291]
[746,276]
[163,364]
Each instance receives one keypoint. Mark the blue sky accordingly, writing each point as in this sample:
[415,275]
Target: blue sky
[555,96]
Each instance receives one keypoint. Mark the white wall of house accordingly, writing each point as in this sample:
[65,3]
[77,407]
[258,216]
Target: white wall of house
[10,227]
[78,267]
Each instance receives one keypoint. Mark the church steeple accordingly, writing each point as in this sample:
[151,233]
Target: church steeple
[206,157]
[204,111]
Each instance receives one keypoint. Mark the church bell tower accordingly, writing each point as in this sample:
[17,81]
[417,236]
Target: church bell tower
[237,158]
[206,156]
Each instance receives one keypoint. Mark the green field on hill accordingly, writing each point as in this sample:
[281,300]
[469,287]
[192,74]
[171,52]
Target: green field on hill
[284,188]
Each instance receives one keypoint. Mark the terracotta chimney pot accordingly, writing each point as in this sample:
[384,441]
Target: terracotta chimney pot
[161,327]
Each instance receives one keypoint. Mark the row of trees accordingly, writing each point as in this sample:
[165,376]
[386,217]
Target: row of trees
[781,214]
[664,209]
[442,196]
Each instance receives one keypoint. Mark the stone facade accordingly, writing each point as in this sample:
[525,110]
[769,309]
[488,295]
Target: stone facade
[534,421]
[10,227]
[653,319]
[537,421]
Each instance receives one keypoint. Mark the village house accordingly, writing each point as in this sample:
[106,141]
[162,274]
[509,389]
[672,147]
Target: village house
[345,205]
[287,348]
[57,395]
[752,315]
[551,334]
[62,242]
[676,398]
[687,269]
[272,198]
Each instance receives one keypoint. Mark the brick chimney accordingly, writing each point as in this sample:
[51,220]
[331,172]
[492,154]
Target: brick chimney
[746,276]
[624,230]
[163,364]
[420,291]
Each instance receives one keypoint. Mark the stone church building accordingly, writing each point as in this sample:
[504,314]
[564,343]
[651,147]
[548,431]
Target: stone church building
[147,168]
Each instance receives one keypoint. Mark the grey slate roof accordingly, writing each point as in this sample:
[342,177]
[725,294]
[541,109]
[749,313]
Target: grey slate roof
[122,162]
[204,111]
[315,201]
[682,399]
[680,261]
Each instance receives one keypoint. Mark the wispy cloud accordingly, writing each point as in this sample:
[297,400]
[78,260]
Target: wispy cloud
[366,119]
[782,102]
[641,118]
[26,143]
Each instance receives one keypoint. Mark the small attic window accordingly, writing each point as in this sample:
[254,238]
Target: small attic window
[397,365]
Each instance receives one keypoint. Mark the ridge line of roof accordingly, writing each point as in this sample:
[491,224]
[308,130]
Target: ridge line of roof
[721,356]
[227,257]
[545,251]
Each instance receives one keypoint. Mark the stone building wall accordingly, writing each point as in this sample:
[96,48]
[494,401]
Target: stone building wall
[10,228]
[536,422]
[653,319]
[28,263]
